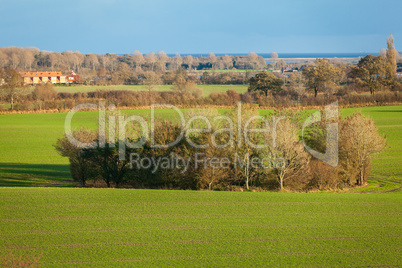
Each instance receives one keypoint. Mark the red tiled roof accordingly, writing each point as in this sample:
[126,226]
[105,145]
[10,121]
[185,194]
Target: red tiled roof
[40,74]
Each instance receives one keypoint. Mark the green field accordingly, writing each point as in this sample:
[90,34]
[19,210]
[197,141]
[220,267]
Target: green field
[122,227]
[125,227]
[207,89]
[28,158]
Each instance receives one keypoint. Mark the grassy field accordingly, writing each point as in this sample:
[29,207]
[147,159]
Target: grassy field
[73,227]
[28,158]
[121,227]
[207,89]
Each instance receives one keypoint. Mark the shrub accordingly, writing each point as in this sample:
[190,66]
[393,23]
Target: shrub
[44,92]
[82,169]
[323,176]
[247,98]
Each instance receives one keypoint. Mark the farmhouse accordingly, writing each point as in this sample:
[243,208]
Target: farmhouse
[43,77]
[33,78]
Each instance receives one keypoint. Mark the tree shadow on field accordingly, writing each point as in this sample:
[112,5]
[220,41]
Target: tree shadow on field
[25,175]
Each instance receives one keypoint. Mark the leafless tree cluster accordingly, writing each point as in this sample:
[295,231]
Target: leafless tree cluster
[273,157]
[27,59]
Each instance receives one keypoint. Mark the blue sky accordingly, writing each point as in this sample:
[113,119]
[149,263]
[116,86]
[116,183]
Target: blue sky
[218,26]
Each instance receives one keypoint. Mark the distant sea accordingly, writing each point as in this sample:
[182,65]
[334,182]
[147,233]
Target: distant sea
[289,55]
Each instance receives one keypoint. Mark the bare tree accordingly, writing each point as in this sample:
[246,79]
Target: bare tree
[227,62]
[181,84]
[14,58]
[162,55]
[177,61]
[274,56]
[212,59]
[252,57]
[138,58]
[281,64]
[12,85]
[390,68]
[298,84]
[288,156]
[240,150]
[53,60]
[4,61]
[162,60]
[359,139]
[382,52]
[124,72]
[151,80]
[73,60]
[91,61]
[151,59]
[27,58]
[189,60]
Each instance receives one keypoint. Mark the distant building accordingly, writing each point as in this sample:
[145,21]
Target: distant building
[33,78]
[73,77]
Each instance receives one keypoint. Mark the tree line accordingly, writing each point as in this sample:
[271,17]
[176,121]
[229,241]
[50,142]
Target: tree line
[33,59]
[186,95]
